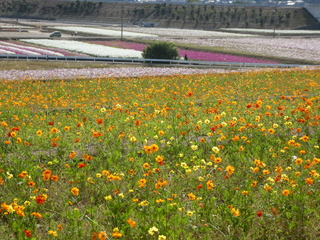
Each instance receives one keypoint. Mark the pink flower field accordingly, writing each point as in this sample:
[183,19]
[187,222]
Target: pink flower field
[192,55]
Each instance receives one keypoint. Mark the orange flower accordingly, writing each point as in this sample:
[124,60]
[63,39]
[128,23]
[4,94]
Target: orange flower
[46,175]
[286,192]
[146,165]
[191,196]
[12,134]
[137,122]
[189,94]
[36,214]
[31,184]
[142,182]
[235,212]
[97,134]
[99,121]
[75,191]
[304,138]
[116,234]
[66,128]
[131,222]
[54,178]
[210,184]
[299,161]
[54,130]
[160,160]
[309,181]
[87,157]
[39,133]
[72,154]
[23,174]
[102,235]
[230,170]
[271,131]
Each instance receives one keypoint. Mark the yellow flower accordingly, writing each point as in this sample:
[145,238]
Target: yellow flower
[190,213]
[194,147]
[144,203]
[53,233]
[108,198]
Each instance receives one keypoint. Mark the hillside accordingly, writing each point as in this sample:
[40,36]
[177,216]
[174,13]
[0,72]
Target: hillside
[163,15]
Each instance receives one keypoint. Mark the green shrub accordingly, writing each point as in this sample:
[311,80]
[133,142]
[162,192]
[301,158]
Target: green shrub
[161,50]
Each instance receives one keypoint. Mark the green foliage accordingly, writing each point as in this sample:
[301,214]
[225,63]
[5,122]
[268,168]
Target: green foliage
[161,50]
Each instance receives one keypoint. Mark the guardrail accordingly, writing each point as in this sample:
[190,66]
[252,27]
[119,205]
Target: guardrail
[148,61]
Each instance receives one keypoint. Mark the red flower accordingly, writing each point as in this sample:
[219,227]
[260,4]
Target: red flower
[51,123]
[40,199]
[99,121]
[259,213]
[213,129]
[27,233]
[81,165]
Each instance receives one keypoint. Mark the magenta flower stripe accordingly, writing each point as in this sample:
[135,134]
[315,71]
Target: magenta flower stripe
[192,55]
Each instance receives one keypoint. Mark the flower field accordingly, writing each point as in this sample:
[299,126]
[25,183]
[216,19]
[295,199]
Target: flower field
[70,74]
[15,47]
[192,55]
[292,48]
[204,156]
[86,48]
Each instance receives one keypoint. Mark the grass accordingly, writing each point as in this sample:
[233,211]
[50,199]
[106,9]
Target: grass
[218,156]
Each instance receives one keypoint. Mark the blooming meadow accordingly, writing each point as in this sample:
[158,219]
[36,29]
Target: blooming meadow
[292,48]
[86,48]
[73,73]
[192,54]
[17,47]
[204,156]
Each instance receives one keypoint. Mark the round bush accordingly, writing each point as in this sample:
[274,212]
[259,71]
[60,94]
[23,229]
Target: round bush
[161,50]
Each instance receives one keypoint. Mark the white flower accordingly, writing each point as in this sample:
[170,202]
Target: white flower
[152,230]
[87,48]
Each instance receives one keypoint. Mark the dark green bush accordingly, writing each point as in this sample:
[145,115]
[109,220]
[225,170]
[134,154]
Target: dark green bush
[161,50]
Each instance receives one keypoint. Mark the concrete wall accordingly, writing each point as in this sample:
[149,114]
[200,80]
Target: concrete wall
[314,9]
